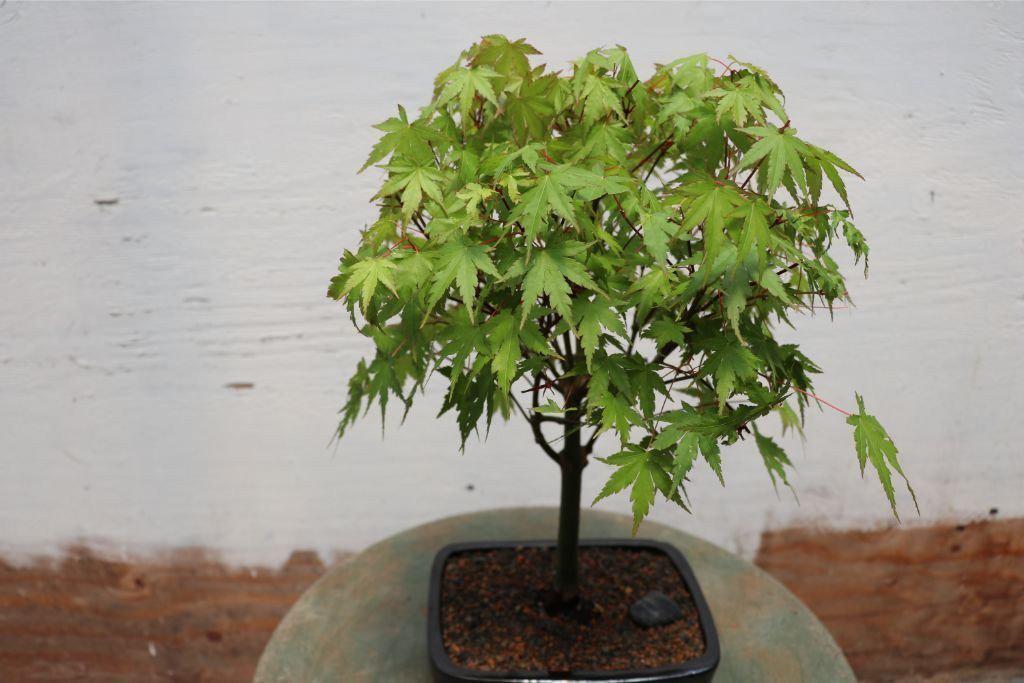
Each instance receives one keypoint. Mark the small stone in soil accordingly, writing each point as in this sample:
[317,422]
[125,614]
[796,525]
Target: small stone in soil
[655,609]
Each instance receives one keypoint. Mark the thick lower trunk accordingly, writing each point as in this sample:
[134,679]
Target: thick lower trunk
[567,573]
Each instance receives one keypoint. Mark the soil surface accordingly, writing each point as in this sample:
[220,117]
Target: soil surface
[493,615]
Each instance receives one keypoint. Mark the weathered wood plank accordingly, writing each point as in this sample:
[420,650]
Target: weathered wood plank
[912,602]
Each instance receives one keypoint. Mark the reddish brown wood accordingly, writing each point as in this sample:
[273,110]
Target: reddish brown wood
[185,617]
[937,603]
[913,602]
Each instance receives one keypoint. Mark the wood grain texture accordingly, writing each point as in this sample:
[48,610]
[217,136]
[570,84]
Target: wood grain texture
[942,601]
[185,617]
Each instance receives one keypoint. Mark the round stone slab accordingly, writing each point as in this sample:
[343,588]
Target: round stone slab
[365,620]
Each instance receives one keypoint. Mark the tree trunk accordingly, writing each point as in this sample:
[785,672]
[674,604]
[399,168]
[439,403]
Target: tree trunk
[567,574]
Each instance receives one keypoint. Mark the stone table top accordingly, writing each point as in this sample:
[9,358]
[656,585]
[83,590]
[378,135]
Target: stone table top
[365,619]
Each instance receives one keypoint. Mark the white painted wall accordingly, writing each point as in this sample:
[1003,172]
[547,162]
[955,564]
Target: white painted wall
[231,133]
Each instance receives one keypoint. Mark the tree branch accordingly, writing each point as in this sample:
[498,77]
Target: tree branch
[535,422]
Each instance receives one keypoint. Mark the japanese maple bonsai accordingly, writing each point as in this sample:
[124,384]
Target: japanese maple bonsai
[602,254]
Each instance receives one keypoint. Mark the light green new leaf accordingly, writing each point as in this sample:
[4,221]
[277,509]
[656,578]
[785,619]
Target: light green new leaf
[366,274]
[617,414]
[510,58]
[530,109]
[738,104]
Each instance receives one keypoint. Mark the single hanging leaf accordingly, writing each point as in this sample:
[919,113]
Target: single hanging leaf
[775,459]
[599,100]
[875,446]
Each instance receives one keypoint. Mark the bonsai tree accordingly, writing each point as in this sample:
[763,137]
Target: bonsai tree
[603,255]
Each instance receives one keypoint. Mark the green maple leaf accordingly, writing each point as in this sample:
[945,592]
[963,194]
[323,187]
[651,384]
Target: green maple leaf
[647,472]
[658,230]
[687,444]
[414,182]
[653,287]
[503,334]
[409,139]
[550,408]
[775,459]
[663,331]
[783,153]
[606,140]
[550,272]
[617,414]
[738,103]
[530,109]
[820,160]
[736,290]
[599,100]
[507,57]
[465,84]
[536,205]
[875,446]
[686,451]
[594,316]
[461,338]
[678,103]
[366,275]
[755,235]
[474,195]
[459,262]
[711,204]
[730,362]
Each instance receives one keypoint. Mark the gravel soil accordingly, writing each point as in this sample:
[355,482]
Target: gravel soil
[493,615]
